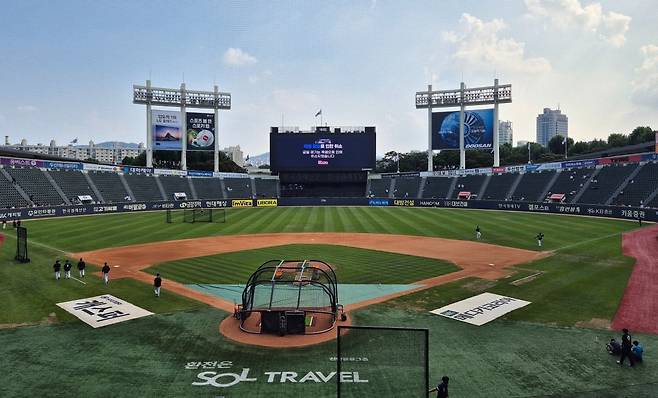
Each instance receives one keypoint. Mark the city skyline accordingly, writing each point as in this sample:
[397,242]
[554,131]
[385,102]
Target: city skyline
[361,63]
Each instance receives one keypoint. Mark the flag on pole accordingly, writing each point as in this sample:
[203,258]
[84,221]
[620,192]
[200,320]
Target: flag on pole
[318,113]
[75,141]
[564,141]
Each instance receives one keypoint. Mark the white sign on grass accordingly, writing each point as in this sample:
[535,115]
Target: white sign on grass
[480,309]
[103,310]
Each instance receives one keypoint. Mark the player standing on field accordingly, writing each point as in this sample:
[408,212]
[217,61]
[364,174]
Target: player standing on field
[540,239]
[106,273]
[67,269]
[478,234]
[57,266]
[81,268]
[442,388]
[157,283]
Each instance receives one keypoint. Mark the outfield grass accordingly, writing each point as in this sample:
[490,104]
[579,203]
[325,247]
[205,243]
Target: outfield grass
[512,229]
[352,265]
[28,292]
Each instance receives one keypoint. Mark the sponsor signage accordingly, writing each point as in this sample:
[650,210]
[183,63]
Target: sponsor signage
[199,173]
[21,162]
[62,165]
[200,131]
[404,202]
[224,374]
[169,172]
[378,202]
[100,167]
[266,203]
[222,174]
[137,170]
[579,163]
[104,310]
[480,309]
[167,134]
[478,129]
[242,203]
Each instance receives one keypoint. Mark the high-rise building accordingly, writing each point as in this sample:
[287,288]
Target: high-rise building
[235,154]
[551,123]
[505,134]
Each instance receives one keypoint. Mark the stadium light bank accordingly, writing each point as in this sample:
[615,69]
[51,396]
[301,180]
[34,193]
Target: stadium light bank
[180,98]
[461,98]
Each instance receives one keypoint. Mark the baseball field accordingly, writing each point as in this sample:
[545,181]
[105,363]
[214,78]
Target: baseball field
[397,264]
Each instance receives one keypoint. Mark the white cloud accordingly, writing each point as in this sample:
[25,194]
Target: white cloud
[645,84]
[237,57]
[478,46]
[609,26]
[27,108]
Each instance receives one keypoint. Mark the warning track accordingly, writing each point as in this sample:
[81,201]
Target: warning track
[638,310]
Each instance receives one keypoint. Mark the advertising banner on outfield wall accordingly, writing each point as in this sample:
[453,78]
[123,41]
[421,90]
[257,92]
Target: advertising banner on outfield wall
[242,203]
[167,134]
[266,203]
[480,309]
[200,131]
[478,129]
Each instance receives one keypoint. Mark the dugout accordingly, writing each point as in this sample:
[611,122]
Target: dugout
[290,297]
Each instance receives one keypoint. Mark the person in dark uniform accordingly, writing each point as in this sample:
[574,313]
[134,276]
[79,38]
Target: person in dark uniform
[81,268]
[442,388]
[57,267]
[540,239]
[478,233]
[626,345]
[157,283]
[106,273]
[67,269]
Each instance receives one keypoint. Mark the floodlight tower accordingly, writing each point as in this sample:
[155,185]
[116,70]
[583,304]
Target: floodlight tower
[180,98]
[461,98]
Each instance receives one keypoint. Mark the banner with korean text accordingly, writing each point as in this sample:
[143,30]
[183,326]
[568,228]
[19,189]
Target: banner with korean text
[103,310]
[480,309]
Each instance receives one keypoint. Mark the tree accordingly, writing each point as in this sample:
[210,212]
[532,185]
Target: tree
[555,145]
[617,140]
[641,134]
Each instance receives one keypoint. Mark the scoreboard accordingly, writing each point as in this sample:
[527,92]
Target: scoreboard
[322,151]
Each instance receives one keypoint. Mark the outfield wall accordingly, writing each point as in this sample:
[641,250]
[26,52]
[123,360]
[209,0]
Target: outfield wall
[628,213]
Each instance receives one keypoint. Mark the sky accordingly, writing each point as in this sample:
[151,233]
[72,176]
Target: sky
[67,67]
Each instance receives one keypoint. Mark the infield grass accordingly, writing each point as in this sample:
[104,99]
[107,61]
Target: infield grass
[352,265]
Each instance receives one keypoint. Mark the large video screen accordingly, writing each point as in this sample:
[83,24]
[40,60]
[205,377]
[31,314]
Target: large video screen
[322,151]
[478,129]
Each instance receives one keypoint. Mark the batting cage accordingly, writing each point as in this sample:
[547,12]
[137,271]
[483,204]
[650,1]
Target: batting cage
[196,215]
[21,245]
[290,297]
[377,361]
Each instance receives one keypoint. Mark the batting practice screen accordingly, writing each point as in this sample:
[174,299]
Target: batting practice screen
[322,151]
[196,215]
[382,362]
[21,245]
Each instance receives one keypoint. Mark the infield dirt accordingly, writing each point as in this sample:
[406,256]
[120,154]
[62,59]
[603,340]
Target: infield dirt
[475,259]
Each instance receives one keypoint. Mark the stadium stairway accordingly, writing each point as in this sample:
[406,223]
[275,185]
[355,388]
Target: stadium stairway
[93,187]
[451,190]
[421,190]
[391,189]
[623,185]
[223,186]
[57,187]
[161,188]
[585,186]
[126,186]
[192,189]
[548,187]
